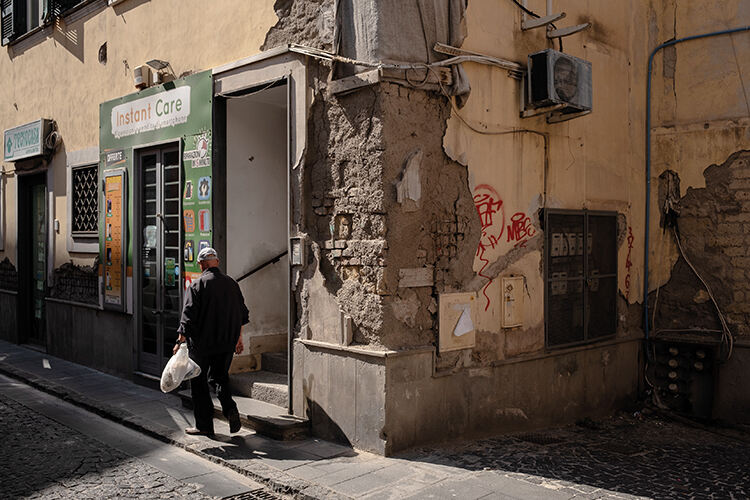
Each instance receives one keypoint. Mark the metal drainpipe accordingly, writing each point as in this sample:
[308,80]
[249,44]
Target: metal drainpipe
[648,158]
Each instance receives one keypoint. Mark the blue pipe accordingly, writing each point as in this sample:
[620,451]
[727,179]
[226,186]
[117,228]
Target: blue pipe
[648,157]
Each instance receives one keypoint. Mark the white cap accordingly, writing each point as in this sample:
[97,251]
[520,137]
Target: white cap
[207,253]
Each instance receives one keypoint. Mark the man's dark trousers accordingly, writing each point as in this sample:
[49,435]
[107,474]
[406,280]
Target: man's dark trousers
[216,368]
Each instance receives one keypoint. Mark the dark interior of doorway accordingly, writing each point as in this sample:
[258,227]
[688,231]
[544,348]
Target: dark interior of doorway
[32,259]
[251,136]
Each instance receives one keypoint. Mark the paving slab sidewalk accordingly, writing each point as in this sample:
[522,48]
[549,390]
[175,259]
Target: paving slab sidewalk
[308,468]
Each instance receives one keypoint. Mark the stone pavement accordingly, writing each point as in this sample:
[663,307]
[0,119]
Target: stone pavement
[623,457]
[52,449]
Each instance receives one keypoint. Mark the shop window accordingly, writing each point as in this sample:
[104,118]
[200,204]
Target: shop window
[19,17]
[85,201]
[580,276]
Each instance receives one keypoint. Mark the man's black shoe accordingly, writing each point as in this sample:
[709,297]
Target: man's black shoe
[234,422]
[197,432]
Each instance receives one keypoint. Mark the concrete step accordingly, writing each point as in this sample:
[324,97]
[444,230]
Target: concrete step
[262,385]
[264,418]
[276,362]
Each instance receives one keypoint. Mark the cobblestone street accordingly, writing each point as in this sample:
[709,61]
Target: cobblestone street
[615,458]
[44,459]
[52,450]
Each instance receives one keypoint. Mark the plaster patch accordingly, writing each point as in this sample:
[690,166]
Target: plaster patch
[405,308]
[409,188]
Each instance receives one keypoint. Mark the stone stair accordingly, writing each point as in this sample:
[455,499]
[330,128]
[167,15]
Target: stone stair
[264,386]
[262,398]
[275,362]
[264,418]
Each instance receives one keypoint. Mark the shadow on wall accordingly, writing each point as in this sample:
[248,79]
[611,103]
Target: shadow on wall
[323,425]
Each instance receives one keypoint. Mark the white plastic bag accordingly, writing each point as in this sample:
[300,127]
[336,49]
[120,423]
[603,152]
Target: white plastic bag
[179,367]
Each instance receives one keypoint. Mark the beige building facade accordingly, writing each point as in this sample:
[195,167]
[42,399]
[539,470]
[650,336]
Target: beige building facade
[433,253]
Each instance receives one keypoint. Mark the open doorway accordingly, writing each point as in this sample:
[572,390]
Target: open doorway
[257,200]
[32,258]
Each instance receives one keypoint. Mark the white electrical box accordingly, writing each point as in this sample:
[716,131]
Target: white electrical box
[142,77]
[512,298]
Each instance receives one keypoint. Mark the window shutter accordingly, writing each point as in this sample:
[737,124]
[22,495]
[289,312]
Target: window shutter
[9,22]
[56,8]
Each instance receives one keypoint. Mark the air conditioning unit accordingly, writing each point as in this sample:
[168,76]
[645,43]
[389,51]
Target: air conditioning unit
[560,80]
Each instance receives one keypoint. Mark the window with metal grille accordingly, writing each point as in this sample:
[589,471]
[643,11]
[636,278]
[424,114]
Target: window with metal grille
[85,201]
[580,276]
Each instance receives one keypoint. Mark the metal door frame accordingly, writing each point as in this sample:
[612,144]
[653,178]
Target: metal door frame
[585,213]
[252,73]
[138,153]
[24,199]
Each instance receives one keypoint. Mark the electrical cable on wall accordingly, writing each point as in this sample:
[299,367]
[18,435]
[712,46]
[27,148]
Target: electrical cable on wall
[331,57]
[537,16]
[671,212]
[543,135]
[726,336]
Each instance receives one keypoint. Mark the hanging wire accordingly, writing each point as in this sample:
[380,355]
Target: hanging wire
[727,339]
[544,136]
[537,16]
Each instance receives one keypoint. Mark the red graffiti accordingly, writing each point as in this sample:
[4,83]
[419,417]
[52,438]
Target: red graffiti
[628,262]
[489,206]
[520,229]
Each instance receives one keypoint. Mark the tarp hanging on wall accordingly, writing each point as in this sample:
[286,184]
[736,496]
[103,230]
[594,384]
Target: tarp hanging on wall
[401,31]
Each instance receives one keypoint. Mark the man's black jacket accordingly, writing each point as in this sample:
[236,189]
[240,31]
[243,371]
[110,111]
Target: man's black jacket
[213,313]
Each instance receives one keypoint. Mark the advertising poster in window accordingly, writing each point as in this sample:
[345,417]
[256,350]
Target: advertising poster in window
[196,201]
[115,213]
[179,111]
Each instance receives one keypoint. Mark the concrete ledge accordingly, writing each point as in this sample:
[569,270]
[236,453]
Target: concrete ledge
[366,352]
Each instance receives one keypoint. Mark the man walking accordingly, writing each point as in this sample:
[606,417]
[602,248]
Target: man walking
[212,317]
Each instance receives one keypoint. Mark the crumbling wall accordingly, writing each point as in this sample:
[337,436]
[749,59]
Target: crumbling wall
[304,22]
[77,283]
[345,214]
[714,230]
[432,223]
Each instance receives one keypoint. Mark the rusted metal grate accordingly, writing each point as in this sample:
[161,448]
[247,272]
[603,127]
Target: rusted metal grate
[259,494]
[540,438]
[581,276]
[85,200]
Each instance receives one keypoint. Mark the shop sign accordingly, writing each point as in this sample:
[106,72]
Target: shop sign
[24,141]
[165,109]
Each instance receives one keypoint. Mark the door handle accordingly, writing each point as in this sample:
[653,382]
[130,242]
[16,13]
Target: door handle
[155,312]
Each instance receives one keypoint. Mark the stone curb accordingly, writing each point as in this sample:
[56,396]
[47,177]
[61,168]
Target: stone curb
[278,481]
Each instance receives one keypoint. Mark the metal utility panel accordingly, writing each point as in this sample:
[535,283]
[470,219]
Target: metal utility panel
[457,313]
[512,290]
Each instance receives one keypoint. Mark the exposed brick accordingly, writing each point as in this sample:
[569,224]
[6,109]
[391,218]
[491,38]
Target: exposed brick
[726,228]
[741,262]
[740,184]
[735,251]
[741,173]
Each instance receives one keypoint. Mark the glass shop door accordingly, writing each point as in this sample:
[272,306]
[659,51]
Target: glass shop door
[159,233]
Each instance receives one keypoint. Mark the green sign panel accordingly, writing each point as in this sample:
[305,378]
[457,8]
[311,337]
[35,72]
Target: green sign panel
[177,111]
[25,141]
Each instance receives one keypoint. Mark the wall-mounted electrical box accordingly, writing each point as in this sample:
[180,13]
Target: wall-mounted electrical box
[142,77]
[512,299]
